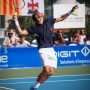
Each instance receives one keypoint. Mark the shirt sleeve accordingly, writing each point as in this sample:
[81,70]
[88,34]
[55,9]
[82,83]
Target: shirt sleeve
[51,20]
[30,30]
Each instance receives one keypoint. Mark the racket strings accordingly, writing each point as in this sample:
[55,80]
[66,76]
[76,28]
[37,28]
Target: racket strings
[16,6]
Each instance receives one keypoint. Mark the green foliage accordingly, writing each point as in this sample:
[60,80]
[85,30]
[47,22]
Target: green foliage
[25,21]
[88,24]
[49,2]
[87,2]
[81,1]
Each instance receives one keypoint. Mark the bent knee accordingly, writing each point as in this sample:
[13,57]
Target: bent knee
[48,71]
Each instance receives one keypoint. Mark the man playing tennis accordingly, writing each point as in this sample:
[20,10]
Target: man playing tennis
[43,30]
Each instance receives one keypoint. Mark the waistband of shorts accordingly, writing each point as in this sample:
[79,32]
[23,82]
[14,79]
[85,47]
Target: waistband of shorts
[46,46]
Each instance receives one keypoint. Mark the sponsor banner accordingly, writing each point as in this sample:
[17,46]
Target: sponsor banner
[73,55]
[19,57]
[22,7]
[29,57]
[75,20]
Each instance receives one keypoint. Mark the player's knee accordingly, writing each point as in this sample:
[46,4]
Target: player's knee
[48,71]
[51,71]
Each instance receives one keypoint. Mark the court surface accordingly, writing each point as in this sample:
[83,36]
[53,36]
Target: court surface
[65,81]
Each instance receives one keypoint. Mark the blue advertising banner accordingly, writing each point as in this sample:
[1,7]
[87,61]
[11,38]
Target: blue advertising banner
[73,55]
[29,57]
[19,58]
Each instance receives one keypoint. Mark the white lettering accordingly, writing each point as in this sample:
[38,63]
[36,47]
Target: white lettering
[4,59]
[67,61]
[64,54]
[67,53]
[75,52]
[74,62]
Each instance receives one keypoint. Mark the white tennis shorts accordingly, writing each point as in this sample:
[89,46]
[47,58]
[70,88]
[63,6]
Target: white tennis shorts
[48,57]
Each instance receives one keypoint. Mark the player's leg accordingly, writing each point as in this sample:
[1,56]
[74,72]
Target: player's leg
[44,75]
[50,62]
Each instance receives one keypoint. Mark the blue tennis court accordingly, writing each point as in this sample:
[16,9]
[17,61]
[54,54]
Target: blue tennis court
[63,82]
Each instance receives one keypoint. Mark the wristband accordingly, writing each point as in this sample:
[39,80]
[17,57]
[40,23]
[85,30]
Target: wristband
[16,22]
[69,12]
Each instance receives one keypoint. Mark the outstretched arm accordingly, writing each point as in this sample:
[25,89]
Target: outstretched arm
[63,17]
[20,31]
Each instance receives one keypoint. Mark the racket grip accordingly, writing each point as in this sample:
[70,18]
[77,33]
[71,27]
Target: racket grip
[16,13]
[16,21]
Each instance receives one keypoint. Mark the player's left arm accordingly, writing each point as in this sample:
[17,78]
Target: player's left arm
[63,17]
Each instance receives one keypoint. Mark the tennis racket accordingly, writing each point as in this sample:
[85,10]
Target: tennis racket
[16,4]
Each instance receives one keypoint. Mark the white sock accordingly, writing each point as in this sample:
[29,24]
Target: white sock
[37,84]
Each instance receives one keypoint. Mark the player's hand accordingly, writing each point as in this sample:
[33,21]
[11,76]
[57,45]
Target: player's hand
[15,16]
[74,7]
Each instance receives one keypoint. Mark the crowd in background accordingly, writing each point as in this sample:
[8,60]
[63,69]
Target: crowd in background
[78,38]
[14,40]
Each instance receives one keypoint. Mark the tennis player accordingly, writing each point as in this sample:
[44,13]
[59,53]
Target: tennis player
[43,30]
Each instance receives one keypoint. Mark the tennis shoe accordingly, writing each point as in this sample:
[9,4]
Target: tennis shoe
[33,88]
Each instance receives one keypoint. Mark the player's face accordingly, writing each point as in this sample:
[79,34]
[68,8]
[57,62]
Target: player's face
[39,16]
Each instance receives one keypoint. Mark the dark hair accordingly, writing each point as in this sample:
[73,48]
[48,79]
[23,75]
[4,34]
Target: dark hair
[34,18]
[11,24]
[34,14]
[8,28]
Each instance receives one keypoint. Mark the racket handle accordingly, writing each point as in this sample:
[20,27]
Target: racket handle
[16,13]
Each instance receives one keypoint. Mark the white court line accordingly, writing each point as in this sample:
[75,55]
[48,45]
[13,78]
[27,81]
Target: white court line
[69,80]
[51,81]
[51,76]
[6,88]
[72,75]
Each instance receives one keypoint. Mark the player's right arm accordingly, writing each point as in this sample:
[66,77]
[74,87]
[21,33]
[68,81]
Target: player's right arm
[20,31]
[63,17]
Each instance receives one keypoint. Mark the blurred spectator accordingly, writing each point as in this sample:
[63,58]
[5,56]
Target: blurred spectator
[34,43]
[87,40]
[59,39]
[11,24]
[76,37]
[10,39]
[82,37]
[23,42]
